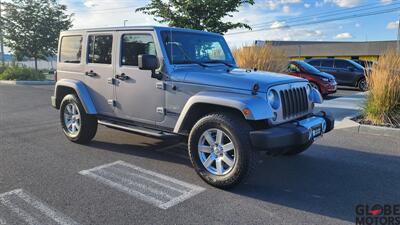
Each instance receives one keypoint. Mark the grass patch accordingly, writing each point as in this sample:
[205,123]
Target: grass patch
[265,57]
[21,73]
[383,102]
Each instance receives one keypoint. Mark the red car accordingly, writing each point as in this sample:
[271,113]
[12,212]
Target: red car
[324,82]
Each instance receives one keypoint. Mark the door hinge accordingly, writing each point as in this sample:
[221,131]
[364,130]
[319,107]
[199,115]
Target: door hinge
[112,102]
[160,85]
[112,81]
[160,110]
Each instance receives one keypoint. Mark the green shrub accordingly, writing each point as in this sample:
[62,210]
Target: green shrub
[21,73]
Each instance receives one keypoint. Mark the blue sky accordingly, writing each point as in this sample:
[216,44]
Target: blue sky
[273,13]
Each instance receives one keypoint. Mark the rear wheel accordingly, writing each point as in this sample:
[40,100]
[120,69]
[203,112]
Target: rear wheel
[220,149]
[77,126]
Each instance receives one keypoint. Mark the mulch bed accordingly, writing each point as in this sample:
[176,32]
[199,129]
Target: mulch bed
[362,120]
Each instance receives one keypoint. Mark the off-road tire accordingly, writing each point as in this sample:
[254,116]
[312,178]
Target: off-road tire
[88,127]
[298,149]
[237,129]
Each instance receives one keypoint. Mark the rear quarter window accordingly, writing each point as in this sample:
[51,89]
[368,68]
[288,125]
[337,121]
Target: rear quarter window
[71,49]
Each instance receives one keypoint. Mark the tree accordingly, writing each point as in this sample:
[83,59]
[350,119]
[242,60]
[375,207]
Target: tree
[205,15]
[32,27]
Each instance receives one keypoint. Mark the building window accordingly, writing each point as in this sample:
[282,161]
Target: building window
[71,49]
[100,49]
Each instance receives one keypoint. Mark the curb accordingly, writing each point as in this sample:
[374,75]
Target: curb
[27,82]
[349,124]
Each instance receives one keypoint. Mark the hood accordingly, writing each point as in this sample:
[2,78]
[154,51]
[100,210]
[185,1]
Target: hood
[324,75]
[238,78]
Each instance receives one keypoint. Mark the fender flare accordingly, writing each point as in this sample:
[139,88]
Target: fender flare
[258,106]
[81,90]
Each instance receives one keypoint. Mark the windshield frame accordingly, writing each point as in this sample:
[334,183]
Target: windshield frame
[229,59]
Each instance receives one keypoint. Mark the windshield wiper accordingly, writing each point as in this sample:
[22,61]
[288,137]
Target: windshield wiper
[220,61]
[192,62]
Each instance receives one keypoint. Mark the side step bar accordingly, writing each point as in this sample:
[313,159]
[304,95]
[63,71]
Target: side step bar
[139,130]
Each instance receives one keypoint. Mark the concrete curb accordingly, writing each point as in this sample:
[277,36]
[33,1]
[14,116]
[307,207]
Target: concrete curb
[27,82]
[349,124]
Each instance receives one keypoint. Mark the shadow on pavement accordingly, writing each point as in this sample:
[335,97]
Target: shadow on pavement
[329,181]
[325,180]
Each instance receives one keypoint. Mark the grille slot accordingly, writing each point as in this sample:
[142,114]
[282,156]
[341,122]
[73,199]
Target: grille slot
[294,102]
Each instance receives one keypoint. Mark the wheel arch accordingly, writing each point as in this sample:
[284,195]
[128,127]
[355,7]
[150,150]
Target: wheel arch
[67,86]
[207,102]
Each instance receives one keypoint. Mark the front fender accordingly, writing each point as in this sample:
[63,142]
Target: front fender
[81,90]
[258,106]
[316,97]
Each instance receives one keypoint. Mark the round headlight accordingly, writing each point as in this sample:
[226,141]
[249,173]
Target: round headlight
[273,99]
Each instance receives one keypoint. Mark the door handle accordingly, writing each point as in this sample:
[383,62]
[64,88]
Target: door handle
[91,74]
[123,76]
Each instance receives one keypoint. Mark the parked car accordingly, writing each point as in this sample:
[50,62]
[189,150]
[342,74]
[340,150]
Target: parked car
[346,72]
[323,82]
[365,63]
[168,81]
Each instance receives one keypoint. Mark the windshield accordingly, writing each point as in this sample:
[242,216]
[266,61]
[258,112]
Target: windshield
[187,47]
[308,68]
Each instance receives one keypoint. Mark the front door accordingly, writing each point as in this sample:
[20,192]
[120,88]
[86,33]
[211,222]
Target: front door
[139,97]
[99,69]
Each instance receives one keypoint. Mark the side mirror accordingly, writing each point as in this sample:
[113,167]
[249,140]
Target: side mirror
[149,62]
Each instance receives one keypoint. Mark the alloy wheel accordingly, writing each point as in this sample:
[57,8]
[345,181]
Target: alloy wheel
[217,152]
[72,119]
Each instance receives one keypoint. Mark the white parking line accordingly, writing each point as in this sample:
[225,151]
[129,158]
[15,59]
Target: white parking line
[151,187]
[31,210]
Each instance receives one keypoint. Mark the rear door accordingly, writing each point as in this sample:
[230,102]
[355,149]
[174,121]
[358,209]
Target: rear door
[327,66]
[139,97]
[345,71]
[99,69]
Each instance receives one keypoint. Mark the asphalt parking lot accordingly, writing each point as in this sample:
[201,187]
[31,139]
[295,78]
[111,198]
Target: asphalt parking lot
[45,179]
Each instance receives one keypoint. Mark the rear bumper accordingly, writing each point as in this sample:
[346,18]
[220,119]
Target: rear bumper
[278,140]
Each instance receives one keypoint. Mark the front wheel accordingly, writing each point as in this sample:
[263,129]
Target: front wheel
[220,149]
[77,126]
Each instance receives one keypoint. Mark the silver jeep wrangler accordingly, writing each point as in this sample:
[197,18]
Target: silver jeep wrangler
[164,81]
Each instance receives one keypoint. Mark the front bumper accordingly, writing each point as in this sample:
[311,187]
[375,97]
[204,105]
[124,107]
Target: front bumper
[277,140]
[53,101]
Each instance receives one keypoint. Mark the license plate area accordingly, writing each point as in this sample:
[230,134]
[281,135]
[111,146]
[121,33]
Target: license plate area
[316,131]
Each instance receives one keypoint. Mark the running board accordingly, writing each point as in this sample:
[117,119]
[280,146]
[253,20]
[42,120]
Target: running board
[135,129]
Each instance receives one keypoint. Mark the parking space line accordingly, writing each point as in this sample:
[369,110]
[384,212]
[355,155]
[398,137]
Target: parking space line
[32,210]
[151,187]
[3,221]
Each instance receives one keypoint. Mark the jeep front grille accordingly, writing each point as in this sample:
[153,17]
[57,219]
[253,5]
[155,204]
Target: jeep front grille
[294,102]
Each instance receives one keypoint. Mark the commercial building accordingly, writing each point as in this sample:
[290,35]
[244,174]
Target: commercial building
[300,50]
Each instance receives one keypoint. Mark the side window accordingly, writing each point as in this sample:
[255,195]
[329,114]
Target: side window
[100,49]
[293,68]
[71,49]
[341,64]
[134,45]
[327,63]
[315,63]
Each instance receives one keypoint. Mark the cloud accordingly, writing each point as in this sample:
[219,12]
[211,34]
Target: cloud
[277,24]
[393,25]
[286,9]
[357,25]
[344,36]
[344,3]
[89,3]
[307,5]
[386,2]
[275,4]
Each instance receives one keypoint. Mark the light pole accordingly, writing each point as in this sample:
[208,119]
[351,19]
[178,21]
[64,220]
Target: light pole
[125,21]
[398,38]
[1,36]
